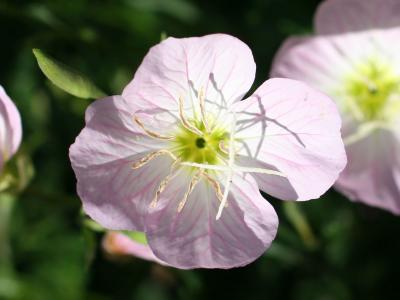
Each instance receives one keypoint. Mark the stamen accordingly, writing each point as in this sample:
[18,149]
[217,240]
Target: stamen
[222,148]
[151,133]
[163,184]
[185,122]
[193,183]
[140,163]
[230,164]
[215,185]
[203,109]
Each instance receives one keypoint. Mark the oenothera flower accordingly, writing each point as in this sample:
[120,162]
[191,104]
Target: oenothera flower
[10,128]
[120,244]
[181,158]
[355,58]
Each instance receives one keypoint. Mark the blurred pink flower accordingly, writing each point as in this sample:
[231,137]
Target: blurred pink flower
[355,58]
[116,243]
[180,157]
[10,128]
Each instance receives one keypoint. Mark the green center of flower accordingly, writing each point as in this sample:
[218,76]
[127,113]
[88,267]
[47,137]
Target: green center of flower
[372,91]
[205,148]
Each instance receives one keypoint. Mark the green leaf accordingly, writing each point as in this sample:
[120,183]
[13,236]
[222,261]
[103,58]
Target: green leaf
[65,78]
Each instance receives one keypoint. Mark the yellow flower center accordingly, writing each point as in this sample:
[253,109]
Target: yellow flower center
[205,149]
[372,91]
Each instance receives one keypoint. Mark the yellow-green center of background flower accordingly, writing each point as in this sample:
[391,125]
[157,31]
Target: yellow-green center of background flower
[371,91]
[205,149]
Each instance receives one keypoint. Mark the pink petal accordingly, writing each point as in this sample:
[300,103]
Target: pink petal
[116,243]
[372,175]
[288,45]
[341,16]
[193,238]
[10,127]
[325,61]
[113,194]
[384,46]
[220,64]
[319,61]
[288,125]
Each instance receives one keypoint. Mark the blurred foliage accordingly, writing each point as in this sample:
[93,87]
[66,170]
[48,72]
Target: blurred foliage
[48,251]
[66,78]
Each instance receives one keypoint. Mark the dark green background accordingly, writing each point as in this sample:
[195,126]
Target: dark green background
[55,257]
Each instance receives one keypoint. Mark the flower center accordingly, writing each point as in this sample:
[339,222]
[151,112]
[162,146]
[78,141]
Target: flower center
[204,149]
[372,91]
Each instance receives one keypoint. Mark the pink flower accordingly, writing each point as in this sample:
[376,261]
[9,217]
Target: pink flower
[115,243]
[180,157]
[356,60]
[10,128]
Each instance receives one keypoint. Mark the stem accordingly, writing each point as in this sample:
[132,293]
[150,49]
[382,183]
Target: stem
[6,206]
[300,223]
